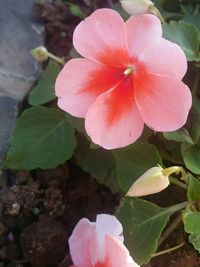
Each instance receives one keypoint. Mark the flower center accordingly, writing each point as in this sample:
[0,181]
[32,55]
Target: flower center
[128,71]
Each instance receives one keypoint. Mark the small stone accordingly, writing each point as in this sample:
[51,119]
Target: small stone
[14,209]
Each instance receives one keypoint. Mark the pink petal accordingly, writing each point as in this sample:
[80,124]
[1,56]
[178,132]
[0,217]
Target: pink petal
[80,82]
[102,37]
[107,224]
[163,101]
[113,120]
[82,244]
[142,34]
[165,58]
[117,255]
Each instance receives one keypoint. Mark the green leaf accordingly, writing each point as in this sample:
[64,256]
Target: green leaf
[133,161]
[42,139]
[73,53]
[143,223]
[99,163]
[43,92]
[194,239]
[186,36]
[121,11]
[180,135]
[191,225]
[193,193]
[76,123]
[191,158]
[75,9]
[193,19]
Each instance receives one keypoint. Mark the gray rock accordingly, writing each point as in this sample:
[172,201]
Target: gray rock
[18,70]
[19,34]
[8,114]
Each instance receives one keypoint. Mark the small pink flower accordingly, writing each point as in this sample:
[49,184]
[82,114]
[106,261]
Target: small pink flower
[130,76]
[99,244]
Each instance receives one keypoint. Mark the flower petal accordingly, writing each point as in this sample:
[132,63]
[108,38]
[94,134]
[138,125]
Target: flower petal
[82,244]
[142,34]
[80,82]
[117,255]
[163,101]
[165,58]
[113,120]
[102,37]
[107,224]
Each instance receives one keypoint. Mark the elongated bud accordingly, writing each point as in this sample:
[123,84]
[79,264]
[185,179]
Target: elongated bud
[152,181]
[137,7]
[40,53]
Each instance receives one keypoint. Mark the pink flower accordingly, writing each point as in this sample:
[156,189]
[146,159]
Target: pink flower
[130,76]
[99,244]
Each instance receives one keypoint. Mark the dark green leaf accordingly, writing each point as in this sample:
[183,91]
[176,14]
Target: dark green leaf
[98,162]
[44,91]
[191,157]
[193,192]
[193,19]
[186,36]
[76,123]
[121,11]
[143,223]
[42,139]
[133,161]
[180,135]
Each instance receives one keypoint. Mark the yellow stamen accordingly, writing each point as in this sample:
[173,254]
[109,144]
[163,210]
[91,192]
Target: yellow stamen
[128,71]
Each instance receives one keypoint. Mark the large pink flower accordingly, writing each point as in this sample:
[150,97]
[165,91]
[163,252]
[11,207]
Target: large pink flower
[99,244]
[130,76]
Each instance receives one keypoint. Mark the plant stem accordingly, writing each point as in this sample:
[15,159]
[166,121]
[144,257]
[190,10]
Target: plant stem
[177,182]
[170,229]
[57,59]
[168,250]
[178,206]
[156,12]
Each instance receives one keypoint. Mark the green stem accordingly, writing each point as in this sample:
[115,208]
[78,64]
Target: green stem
[156,12]
[170,229]
[177,182]
[168,250]
[55,58]
[178,206]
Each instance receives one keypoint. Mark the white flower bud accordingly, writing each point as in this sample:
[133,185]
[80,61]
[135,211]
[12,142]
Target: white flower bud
[152,181]
[40,53]
[137,7]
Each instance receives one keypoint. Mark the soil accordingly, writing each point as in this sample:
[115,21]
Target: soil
[39,209]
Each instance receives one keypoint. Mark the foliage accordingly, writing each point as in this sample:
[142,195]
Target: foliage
[133,161]
[35,141]
[43,92]
[142,218]
[46,137]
